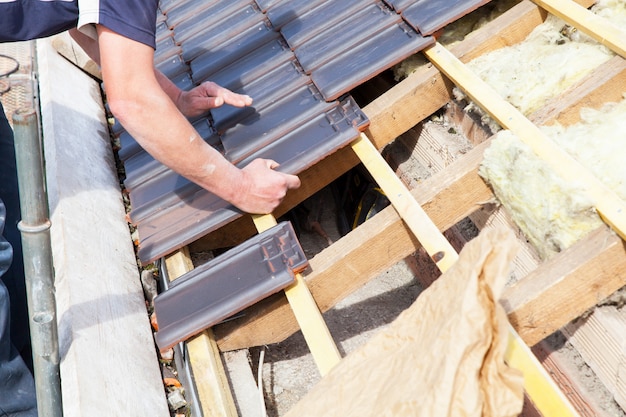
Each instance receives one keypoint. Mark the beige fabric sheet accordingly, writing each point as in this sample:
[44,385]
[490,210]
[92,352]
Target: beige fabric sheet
[443,356]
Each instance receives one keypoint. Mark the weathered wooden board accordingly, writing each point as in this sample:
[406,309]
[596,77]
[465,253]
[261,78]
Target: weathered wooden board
[104,331]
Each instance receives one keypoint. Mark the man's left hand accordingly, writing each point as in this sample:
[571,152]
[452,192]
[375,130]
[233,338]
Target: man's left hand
[209,95]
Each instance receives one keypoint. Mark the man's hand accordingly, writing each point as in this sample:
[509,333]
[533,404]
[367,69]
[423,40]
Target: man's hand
[209,95]
[263,189]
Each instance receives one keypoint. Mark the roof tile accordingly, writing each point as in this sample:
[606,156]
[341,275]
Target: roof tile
[298,59]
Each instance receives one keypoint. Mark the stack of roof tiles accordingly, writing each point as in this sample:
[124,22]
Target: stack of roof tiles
[299,60]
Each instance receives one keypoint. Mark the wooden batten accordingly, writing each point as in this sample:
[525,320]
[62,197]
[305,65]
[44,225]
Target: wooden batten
[566,286]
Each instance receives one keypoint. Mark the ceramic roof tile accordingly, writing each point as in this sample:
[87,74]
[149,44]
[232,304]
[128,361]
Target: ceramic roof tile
[358,27]
[319,20]
[368,59]
[282,12]
[298,59]
[178,11]
[172,66]
[268,124]
[232,49]
[268,89]
[427,16]
[187,22]
[263,265]
[247,68]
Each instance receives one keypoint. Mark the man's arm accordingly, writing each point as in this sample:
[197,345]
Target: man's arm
[198,100]
[148,111]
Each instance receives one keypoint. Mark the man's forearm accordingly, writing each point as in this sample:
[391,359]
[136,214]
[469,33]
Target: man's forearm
[153,110]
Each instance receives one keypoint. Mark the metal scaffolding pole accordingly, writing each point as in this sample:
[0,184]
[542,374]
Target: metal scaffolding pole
[38,268]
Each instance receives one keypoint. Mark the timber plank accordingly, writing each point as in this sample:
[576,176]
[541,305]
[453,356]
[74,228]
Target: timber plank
[588,92]
[599,338]
[103,326]
[552,295]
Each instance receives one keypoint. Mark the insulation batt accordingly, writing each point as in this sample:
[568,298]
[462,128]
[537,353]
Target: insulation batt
[551,59]
[552,213]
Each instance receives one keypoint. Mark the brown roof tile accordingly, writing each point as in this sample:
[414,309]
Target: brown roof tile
[298,59]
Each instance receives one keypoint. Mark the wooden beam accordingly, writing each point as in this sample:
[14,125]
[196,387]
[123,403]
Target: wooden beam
[216,399]
[552,295]
[597,27]
[310,320]
[606,83]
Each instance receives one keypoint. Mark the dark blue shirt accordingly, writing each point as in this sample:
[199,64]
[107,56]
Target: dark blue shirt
[30,19]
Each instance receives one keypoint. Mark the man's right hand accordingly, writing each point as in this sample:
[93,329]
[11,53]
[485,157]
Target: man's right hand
[263,188]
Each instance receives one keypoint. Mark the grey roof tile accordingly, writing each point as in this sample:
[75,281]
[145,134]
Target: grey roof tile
[368,59]
[298,59]
[367,23]
[225,285]
[320,20]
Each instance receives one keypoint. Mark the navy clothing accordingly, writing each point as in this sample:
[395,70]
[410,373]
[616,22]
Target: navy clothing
[134,19]
[14,277]
[17,387]
[30,19]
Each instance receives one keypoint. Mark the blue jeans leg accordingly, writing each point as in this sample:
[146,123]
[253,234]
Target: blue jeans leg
[17,387]
[14,276]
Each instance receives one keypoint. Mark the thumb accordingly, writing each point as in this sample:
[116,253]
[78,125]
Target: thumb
[271,164]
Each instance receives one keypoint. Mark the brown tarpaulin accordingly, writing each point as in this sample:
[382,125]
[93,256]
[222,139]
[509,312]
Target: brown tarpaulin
[443,356]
